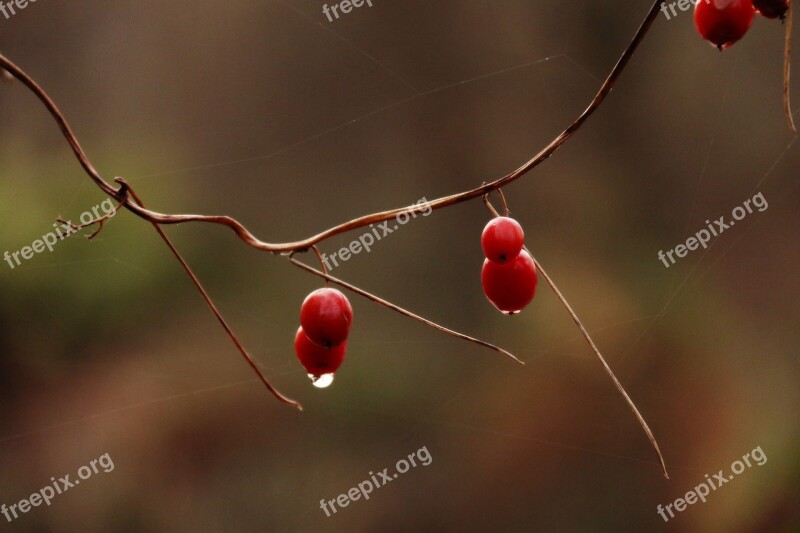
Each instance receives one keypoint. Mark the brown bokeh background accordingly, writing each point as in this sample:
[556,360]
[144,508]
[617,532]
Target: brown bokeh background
[265,111]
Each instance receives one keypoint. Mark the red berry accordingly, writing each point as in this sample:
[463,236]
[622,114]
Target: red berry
[772,9]
[723,22]
[510,286]
[316,359]
[502,239]
[326,316]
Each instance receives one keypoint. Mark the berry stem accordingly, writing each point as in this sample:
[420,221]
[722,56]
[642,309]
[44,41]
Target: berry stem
[125,187]
[399,309]
[321,263]
[787,70]
[506,212]
[593,346]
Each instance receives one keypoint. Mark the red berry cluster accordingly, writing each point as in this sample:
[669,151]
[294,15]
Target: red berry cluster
[509,275]
[723,22]
[321,339]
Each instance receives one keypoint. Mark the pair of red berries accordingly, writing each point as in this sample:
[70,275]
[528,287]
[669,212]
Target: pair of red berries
[321,339]
[723,22]
[509,274]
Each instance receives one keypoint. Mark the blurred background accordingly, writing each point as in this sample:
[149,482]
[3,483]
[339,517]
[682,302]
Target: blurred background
[265,111]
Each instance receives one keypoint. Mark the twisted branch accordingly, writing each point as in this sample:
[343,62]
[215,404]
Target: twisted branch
[284,248]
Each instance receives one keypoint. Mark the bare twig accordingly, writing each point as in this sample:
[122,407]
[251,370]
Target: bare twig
[592,345]
[400,310]
[26,80]
[99,221]
[603,362]
[244,234]
[787,70]
[211,305]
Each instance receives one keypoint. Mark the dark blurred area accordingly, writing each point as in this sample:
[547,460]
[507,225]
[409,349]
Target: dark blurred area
[267,112]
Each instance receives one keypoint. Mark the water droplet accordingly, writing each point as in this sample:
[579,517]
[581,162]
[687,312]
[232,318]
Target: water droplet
[322,381]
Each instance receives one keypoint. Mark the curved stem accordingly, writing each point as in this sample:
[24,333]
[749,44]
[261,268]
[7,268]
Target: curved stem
[245,235]
[83,159]
[787,70]
[400,310]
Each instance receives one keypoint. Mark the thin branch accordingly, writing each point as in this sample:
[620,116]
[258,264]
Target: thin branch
[603,362]
[787,70]
[99,221]
[244,234]
[322,264]
[126,188]
[400,310]
[26,80]
[593,346]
